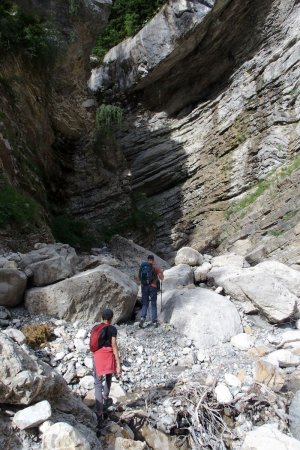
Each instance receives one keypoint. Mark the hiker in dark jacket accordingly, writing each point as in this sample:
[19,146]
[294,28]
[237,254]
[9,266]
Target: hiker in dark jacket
[106,363]
[149,290]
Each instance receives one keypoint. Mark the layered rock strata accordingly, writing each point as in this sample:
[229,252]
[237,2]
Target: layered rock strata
[217,115]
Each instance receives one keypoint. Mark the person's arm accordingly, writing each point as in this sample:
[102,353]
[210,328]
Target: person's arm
[160,274]
[116,353]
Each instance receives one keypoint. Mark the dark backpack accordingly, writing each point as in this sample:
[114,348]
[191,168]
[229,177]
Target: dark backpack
[98,337]
[147,274]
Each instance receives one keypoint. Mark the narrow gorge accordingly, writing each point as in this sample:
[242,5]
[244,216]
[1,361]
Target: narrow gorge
[177,135]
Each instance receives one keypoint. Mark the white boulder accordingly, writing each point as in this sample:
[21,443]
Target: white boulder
[200,314]
[232,380]
[62,436]
[229,259]
[242,341]
[188,255]
[283,358]
[223,394]
[258,288]
[200,273]
[181,275]
[294,416]
[32,416]
[269,437]
[85,295]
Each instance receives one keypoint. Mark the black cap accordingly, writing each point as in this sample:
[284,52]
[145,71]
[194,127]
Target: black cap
[150,257]
[107,314]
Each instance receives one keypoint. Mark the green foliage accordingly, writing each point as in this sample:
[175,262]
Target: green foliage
[77,233]
[108,116]
[289,169]
[74,6]
[262,185]
[37,334]
[249,199]
[139,218]
[26,33]
[289,215]
[17,209]
[276,233]
[126,19]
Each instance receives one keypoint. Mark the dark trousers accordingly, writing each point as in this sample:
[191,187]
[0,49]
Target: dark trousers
[149,294]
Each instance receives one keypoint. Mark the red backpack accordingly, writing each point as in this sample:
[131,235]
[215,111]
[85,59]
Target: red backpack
[95,343]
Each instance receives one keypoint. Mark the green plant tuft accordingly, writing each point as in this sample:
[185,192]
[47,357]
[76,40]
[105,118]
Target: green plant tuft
[74,7]
[77,233]
[17,209]
[138,218]
[37,334]
[108,117]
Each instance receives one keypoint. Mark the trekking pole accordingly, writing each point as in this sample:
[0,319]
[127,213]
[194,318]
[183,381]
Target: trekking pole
[161,306]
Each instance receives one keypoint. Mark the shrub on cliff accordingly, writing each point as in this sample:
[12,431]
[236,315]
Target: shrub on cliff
[126,19]
[27,34]
[17,209]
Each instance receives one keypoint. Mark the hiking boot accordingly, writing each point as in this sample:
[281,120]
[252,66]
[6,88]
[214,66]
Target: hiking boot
[141,324]
[107,403]
[100,420]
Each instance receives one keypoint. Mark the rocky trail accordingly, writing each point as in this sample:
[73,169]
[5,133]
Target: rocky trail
[184,385]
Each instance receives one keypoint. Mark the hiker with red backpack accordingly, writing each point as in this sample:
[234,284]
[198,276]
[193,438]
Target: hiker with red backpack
[149,274]
[103,344]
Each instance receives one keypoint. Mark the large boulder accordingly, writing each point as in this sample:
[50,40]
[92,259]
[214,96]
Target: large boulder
[269,437]
[188,255]
[229,259]
[12,287]
[24,378]
[84,296]
[257,289]
[62,436]
[49,263]
[202,315]
[50,271]
[180,275]
[288,276]
[294,416]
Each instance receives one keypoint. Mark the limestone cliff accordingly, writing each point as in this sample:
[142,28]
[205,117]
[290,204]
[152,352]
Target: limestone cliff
[210,96]
[212,111]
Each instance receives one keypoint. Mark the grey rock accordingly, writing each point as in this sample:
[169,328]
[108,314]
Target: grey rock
[4,313]
[12,287]
[84,296]
[294,415]
[15,335]
[50,271]
[23,378]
